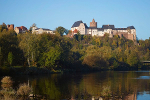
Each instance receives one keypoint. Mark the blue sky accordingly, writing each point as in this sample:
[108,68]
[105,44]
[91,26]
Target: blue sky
[53,13]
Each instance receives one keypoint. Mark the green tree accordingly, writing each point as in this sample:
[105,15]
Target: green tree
[147,55]
[33,25]
[10,58]
[95,61]
[2,27]
[133,59]
[0,57]
[51,57]
[9,43]
[79,36]
[60,30]
[87,38]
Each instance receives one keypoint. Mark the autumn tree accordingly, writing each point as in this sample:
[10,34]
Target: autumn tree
[29,45]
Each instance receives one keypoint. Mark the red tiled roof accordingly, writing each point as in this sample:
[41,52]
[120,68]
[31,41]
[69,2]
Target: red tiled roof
[22,28]
[75,31]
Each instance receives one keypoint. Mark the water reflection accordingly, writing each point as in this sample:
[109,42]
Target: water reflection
[143,77]
[90,86]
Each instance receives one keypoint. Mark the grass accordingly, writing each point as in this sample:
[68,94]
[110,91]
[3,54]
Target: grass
[7,97]
[6,86]
[8,93]
[106,91]
[24,90]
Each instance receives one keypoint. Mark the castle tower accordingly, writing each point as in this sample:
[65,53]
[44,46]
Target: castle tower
[10,27]
[93,23]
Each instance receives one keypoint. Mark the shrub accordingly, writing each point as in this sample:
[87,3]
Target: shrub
[7,97]
[9,92]
[6,86]
[95,61]
[106,91]
[24,90]
[7,80]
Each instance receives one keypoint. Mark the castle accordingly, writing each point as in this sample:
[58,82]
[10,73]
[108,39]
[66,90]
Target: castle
[129,32]
[18,30]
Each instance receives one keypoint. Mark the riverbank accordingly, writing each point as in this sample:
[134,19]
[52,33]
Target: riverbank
[20,70]
[26,71]
[40,71]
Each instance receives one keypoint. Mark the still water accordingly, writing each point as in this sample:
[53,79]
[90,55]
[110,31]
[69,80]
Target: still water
[109,85]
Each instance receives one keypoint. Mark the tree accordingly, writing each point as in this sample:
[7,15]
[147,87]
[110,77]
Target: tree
[79,36]
[29,45]
[60,30]
[0,57]
[33,25]
[2,27]
[87,38]
[10,58]
[147,55]
[8,43]
[68,32]
[133,59]
[51,57]
[95,61]
[98,41]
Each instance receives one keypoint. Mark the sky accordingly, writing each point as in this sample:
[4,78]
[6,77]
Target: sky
[54,13]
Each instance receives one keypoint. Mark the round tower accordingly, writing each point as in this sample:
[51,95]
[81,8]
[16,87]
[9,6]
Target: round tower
[93,23]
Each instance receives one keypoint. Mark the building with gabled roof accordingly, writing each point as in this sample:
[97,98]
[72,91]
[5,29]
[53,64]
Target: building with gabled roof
[41,30]
[129,32]
[20,29]
[80,26]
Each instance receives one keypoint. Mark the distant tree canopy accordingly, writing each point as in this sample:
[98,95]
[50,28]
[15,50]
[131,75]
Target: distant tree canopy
[2,27]
[77,53]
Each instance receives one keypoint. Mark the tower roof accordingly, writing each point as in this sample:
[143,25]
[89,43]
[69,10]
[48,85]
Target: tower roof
[93,20]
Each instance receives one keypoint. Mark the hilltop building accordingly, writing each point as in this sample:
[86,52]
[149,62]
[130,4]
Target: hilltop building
[129,32]
[79,26]
[20,29]
[10,27]
[41,30]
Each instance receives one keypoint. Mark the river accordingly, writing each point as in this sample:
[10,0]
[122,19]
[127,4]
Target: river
[106,85]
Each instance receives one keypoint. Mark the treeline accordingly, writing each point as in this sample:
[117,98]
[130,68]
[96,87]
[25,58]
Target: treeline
[59,52]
